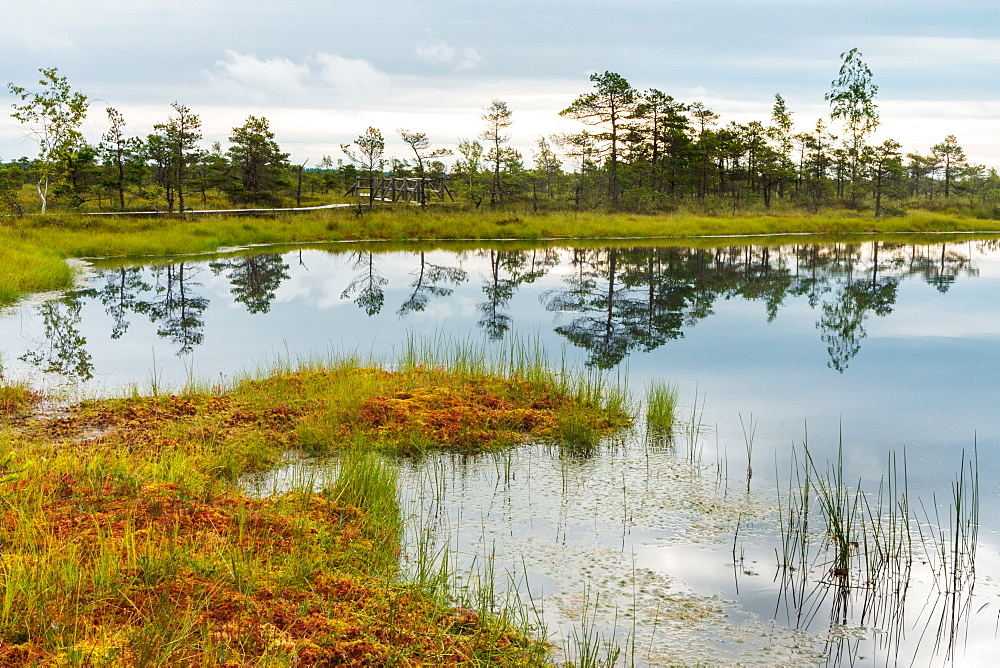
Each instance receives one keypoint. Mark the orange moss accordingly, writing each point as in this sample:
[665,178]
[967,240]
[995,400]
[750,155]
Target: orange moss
[335,617]
[467,416]
[127,540]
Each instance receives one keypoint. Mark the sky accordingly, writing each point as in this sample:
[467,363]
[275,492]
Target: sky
[322,71]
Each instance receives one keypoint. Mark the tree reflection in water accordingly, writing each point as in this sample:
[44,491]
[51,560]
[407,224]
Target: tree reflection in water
[177,307]
[428,283]
[609,301]
[254,279]
[369,284]
[63,350]
[507,270]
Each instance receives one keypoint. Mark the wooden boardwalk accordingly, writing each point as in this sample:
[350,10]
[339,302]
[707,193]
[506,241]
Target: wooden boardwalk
[409,190]
[228,212]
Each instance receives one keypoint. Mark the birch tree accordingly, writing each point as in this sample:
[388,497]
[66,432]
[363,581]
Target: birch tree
[53,115]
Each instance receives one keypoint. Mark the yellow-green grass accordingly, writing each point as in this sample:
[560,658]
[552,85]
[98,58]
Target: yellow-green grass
[661,407]
[15,398]
[26,268]
[32,246]
[129,540]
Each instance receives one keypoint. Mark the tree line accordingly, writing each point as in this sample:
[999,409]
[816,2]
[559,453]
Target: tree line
[639,150]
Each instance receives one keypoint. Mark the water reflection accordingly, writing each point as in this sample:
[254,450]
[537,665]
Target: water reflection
[120,295]
[876,345]
[431,280]
[608,302]
[508,270]
[62,349]
[253,279]
[369,284]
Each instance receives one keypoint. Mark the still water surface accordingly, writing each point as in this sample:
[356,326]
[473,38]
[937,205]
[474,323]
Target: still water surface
[872,347]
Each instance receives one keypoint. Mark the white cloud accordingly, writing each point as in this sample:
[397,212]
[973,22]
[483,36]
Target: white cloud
[470,58]
[349,73]
[436,51]
[247,74]
[281,79]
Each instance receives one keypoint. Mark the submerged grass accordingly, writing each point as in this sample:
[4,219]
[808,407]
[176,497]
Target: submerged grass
[129,540]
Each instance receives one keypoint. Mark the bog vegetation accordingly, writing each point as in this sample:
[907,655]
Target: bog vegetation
[130,539]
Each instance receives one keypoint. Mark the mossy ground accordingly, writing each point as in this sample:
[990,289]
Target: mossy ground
[129,540]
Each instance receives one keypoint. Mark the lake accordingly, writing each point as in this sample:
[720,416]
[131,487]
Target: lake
[867,351]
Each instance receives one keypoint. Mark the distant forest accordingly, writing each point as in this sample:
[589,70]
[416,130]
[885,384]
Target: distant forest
[637,151]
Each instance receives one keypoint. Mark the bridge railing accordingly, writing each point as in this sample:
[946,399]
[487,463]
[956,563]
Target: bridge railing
[406,189]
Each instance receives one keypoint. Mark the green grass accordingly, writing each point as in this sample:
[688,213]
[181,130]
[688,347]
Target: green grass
[661,406]
[26,268]
[32,247]
[15,398]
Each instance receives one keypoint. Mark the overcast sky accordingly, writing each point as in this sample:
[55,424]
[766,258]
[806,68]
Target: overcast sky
[323,70]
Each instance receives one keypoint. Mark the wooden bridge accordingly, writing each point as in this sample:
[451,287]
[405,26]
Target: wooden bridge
[409,190]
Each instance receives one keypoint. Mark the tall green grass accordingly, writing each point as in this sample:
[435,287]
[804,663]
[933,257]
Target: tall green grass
[26,268]
[365,480]
[31,245]
[661,411]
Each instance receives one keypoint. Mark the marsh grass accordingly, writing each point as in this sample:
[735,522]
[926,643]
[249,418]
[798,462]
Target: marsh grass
[27,268]
[16,397]
[128,536]
[587,404]
[853,549]
[586,646]
[661,411]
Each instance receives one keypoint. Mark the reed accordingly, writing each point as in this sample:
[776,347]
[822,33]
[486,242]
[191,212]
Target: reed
[866,542]
[586,646]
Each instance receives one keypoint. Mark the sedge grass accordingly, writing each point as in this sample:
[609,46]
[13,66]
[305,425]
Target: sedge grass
[661,413]
[865,544]
[28,268]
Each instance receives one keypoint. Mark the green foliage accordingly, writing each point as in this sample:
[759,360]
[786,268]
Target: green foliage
[368,155]
[123,158]
[258,165]
[498,117]
[643,152]
[54,116]
[613,101]
[11,180]
[173,148]
[852,96]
